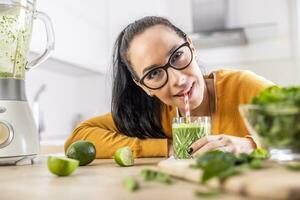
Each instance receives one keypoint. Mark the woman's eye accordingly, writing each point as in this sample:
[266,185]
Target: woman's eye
[154,74]
[176,56]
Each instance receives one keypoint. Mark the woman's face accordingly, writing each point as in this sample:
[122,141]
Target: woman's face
[152,48]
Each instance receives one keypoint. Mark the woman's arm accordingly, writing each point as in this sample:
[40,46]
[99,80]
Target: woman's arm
[102,132]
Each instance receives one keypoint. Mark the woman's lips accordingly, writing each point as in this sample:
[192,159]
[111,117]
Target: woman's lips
[189,92]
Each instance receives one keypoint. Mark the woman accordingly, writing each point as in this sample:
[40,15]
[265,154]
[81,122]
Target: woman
[154,65]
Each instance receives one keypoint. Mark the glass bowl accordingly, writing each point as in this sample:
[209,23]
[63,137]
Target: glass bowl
[276,128]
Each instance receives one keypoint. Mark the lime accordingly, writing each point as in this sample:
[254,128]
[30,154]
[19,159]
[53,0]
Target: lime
[83,151]
[123,157]
[62,166]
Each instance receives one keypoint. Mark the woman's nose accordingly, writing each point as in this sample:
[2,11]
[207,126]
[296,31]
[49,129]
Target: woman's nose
[177,77]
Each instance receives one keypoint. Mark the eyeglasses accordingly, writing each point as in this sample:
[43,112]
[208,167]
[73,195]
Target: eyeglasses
[179,60]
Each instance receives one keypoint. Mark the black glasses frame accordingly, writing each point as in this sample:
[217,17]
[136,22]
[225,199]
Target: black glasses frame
[166,66]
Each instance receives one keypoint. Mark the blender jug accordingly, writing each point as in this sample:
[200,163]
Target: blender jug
[19,138]
[16,18]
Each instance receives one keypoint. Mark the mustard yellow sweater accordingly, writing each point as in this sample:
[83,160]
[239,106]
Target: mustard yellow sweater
[232,87]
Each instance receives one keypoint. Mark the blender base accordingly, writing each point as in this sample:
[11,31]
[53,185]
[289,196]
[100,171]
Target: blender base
[22,141]
[17,160]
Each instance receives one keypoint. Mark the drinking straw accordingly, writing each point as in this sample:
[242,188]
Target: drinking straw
[177,112]
[187,108]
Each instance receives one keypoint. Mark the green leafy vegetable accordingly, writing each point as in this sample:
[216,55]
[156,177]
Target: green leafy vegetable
[255,164]
[276,118]
[151,175]
[216,163]
[207,193]
[260,153]
[242,158]
[130,184]
[224,164]
[295,166]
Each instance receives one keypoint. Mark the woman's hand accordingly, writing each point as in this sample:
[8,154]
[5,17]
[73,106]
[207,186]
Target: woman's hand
[222,142]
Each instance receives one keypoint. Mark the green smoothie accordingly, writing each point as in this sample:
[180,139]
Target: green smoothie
[185,134]
[15,28]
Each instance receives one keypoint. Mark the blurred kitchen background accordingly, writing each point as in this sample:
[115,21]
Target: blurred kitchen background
[75,83]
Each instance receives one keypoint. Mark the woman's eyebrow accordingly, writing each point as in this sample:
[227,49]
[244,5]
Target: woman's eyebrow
[155,65]
[149,68]
[172,50]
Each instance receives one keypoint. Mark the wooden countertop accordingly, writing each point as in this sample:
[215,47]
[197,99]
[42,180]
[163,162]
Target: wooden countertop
[100,180]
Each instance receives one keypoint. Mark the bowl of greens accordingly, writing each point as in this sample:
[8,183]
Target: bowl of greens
[273,118]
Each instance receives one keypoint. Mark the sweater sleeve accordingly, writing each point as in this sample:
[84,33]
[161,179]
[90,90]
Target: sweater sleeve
[102,132]
[252,85]
[233,88]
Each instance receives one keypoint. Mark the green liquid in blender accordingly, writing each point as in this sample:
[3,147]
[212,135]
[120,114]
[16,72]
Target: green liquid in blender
[15,29]
[184,135]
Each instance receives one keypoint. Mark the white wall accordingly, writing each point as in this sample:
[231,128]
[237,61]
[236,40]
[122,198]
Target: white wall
[94,94]
[85,35]
[80,31]
[66,95]
[281,72]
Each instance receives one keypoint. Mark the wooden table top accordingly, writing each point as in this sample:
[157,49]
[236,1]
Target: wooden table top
[102,179]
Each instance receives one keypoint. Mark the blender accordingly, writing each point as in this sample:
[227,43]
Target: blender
[19,140]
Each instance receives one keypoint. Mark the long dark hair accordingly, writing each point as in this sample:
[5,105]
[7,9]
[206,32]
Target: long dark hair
[134,112]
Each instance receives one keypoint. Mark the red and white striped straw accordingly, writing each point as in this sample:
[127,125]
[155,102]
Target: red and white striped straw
[187,107]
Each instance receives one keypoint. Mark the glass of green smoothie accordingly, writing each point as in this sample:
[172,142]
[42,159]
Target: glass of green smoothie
[186,132]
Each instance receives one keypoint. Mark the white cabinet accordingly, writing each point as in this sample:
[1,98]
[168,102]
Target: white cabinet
[267,26]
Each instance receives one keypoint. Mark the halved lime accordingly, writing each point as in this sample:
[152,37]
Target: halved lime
[83,151]
[62,166]
[123,157]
